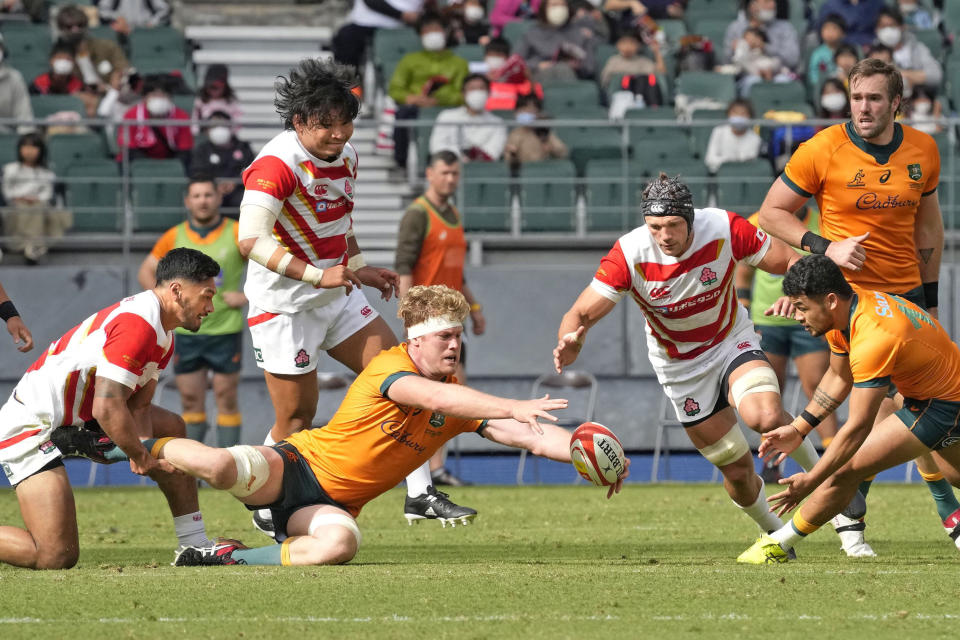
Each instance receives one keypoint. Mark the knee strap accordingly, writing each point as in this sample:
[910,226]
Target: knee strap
[253,470]
[757,380]
[727,449]
[327,519]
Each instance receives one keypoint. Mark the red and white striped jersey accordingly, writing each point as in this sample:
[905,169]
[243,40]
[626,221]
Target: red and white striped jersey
[124,342]
[313,200]
[688,301]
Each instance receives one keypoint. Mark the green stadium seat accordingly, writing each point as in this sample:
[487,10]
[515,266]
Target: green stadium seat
[513,31]
[93,194]
[589,143]
[104,32]
[742,186]
[673,30]
[158,43]
[389,45]
[47,105]
[604,52]
[573,100]
[8,147]
[713,28]
[725,10]
[66,150]
[422,136]
[652,148]
[706,84]
[158,189]
[486,196]
[933,39]
[613,195]
[780,96]
[27,41]
[700,133]
[30,69]
[548,196]
[470,52]
[184,101]
[693,173]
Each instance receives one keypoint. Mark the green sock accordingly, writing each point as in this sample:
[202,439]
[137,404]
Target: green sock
[197,431]
[270,554]
[942,494]
[228,436]
[115,455]
[865,487]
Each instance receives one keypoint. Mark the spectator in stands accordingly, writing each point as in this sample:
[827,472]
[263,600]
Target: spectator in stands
[474,134]
[30,217]
[860,16]
[14,98]
[925,111]
[470,24]
[352,40]
[36,10]
[844,60]
[556,49]
[220,154]
[61,78]
[100,62]
[734,141]
[914,60]
[124,16]
[506,11]
[432,77]
[753,64]
[881,52]
[590,20]
[508,75]
[833,31]
[216,95]
[156,141]
[782,42]
[916,14]
[533,141]
[656,9]
[628,60]
[833,102]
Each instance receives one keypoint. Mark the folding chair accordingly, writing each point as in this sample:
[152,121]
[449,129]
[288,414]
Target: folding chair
[582,381]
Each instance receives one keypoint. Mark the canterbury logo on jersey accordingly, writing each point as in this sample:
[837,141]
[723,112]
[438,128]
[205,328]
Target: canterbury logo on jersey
[659,292]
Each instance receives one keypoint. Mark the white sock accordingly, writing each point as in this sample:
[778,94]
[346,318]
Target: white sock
[190,530]
[759,511]
[786,536]
[418,480]
[266,514]
[805,455]
[269,441]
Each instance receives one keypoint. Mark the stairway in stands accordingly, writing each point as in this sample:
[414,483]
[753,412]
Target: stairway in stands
[255,55]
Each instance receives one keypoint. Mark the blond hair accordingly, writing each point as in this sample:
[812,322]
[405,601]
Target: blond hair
[436,301]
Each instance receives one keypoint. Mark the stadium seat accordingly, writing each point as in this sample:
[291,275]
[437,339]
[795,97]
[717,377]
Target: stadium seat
[8,148]
[47,105]
[652,148]
[587,143]
[673,30]
[613,194]
[486,196]
[27,41]
[548,196]
[713,28]
[30,68]
[469,52]
[104,32]
[389,45]
[513,31]
[158,43]
[712,9]
[572,100]
[422,136]
[933,39]
[742,186]
[93,194]
[781,96]
[706,85]
[604,52]
[64,151]
[158,188]
[185,101]
[704,120]
[693,173]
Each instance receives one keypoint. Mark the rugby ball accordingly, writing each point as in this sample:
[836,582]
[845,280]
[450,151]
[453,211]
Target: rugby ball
[597,454]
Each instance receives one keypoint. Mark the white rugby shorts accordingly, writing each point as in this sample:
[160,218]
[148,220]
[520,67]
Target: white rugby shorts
[695,389]
[291,343]
[25,445]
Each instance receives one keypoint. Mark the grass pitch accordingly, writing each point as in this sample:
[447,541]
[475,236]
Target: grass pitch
[540,562]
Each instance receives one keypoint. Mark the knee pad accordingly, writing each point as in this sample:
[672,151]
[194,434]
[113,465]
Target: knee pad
[253,470]
[758,380]
[727,449]
[326,519]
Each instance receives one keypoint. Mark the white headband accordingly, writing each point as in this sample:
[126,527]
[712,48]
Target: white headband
[430,325]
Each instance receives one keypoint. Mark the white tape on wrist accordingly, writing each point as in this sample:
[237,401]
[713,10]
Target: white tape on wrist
[356,262]
[312,275]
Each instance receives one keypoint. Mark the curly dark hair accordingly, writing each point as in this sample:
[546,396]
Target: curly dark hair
[815,276]
[317,92]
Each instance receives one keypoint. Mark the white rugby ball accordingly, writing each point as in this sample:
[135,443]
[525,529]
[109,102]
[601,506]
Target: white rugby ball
[597,454]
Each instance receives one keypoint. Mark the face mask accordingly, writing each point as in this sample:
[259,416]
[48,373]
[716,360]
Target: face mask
[476,100]
[889,36]
[922,108]
[833,102]
[738,123]
[433,41]
[158,106]
[526,116]
[494,62]
[472,13]
[766,15]
[557,16]
[62,66]
[219,136]
[908,8]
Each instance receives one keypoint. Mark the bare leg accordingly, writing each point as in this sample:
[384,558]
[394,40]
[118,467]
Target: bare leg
[50,540]
[193,393]
[294,400]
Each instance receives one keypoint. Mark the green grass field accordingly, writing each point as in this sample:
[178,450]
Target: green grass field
[540,562]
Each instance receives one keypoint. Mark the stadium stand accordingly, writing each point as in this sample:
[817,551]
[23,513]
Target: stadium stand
[548,196]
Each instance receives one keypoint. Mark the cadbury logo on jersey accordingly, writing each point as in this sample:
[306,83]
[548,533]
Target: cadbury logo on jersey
[871,200]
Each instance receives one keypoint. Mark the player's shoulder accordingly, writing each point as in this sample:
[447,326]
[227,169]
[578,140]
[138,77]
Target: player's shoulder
[713,221]
[392,360]
[827,141]
[138,311]
[917,138]
[284,146]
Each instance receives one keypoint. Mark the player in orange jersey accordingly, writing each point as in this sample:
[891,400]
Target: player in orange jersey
[876,339]
[397,413]
[875,181]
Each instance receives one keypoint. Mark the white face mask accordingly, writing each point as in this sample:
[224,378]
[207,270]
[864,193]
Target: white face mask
[557,16]
[526,116]
[908,8]
[158,106]
[472,13]
[219,136]
[833,102]
[738,123]
[433,41]
[766,15]
[62,66]
[922,108]
[889,36]
[494,62]
[476,100]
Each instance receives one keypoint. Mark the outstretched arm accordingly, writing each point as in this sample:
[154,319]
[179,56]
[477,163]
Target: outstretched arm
[778,258]
[15,326]
[776,213]
[588,309]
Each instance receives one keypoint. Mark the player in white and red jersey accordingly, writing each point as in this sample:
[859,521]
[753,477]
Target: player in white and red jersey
[102,373]
[296,229]
[679,269]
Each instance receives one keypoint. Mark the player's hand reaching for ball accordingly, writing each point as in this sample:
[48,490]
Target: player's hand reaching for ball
[848,253]
[529,410]
[339,276]
[618,485]
[776,445]
[21,335]
[798,487]
[782,308]
[568,348]
[384,280]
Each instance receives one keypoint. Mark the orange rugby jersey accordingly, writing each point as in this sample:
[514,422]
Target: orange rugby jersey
[890,340]
[863,187]
[371,443]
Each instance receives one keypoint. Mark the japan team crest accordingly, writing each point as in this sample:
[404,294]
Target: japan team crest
[708,276]
[914,171]
[691,407]
[302,359]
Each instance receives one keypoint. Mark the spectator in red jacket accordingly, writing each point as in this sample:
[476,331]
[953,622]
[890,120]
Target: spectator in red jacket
[148,140]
